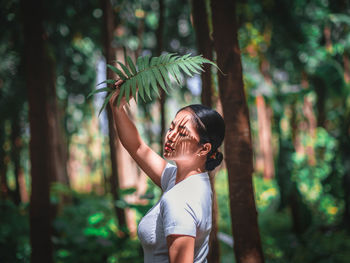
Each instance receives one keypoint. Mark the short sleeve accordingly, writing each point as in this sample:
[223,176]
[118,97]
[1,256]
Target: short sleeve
[178,217]
[167,174]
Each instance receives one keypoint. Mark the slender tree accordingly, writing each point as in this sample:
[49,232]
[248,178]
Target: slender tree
[40,84]
[162,100]
[15,154]
[238,145]
[109,51]
[345,146]
[4,189]
[265,137]
[205,47]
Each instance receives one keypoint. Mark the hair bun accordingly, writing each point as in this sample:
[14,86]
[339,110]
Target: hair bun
[212,163]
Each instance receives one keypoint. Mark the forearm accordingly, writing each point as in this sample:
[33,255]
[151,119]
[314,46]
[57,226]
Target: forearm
[126,129]
[149,161]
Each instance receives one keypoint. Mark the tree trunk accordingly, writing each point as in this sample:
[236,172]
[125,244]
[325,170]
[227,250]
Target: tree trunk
[265,137]
[162,100]
[327,37]
[15,155]
[205,47]
[214,246]
[140,31]
[346,183]
[311,129]
[41,96]
[62,147]
[108,26]
[344,148]
[264,120]
[238,145]
[282,157]
[4,189]
[346,68]
[320,89]
[114,179]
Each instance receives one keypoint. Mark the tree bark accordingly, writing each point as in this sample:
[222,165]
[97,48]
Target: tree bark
[108,28]
[327,37]
[62,148]
[214,246]
[346,216]
[311,129]
[345,146]
[320,89]
[238,145]
[4,189]
[205,47]
[265,140]
[346,68]
[114,179]
[15,155]
[162,100]
[140,31]
[41,96]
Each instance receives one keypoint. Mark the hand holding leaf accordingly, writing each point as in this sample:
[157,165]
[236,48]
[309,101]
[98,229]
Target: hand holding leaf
[149,74]
[116,100]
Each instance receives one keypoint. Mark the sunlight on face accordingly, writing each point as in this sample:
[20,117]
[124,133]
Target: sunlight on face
[181,140]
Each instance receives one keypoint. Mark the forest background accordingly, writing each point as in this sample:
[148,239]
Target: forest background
[69,191]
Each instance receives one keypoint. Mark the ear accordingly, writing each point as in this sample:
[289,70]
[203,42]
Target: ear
[205,149]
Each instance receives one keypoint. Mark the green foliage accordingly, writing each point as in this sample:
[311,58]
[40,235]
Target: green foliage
[316,245]
[151,73]
[14,233]
[319,244]
[221,188]
[267,196]
[152,194]
[310,178]
[87,231]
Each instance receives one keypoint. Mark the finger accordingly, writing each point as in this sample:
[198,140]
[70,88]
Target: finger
[118,82]
[113,99]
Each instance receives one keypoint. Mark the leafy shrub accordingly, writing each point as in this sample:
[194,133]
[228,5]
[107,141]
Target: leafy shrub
[14,233]
[87,231]
[311,178]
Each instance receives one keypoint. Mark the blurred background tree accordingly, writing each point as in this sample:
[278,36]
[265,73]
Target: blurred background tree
[63,178]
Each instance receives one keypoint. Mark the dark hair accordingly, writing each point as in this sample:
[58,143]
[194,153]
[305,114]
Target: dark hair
[211,129]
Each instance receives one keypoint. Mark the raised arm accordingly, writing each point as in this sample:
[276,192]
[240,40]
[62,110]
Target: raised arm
[148,160]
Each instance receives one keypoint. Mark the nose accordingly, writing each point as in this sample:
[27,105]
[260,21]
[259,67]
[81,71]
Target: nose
[171,134]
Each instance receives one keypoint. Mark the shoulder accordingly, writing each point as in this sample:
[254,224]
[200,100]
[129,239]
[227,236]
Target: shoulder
[190,196]
[168,176]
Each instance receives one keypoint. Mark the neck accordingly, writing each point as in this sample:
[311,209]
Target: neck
[185,170]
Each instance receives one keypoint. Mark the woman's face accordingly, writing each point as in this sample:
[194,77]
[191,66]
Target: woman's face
[182,139]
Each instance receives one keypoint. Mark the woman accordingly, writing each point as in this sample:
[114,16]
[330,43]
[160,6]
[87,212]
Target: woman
[177,228]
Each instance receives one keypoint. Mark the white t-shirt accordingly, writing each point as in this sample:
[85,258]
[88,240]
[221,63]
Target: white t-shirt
[183,209]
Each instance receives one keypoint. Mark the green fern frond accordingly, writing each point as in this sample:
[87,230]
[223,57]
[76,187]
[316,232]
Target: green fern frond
[151,73]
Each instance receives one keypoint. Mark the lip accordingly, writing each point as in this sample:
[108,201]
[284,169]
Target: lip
[168,148]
